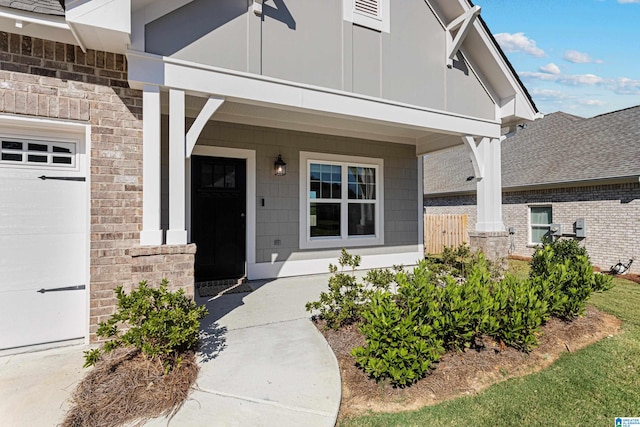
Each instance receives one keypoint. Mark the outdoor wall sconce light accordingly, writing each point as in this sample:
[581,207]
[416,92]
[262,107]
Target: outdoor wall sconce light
[280,167]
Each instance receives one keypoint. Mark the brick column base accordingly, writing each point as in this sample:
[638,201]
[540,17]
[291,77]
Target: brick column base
[172,262]
[494,244]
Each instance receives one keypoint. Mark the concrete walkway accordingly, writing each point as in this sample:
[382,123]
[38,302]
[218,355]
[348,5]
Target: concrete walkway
[263,364]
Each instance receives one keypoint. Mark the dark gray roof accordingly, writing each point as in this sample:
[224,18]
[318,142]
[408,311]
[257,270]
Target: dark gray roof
[46,7]
[560,148]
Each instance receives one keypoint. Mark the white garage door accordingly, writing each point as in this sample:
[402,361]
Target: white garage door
[43,241]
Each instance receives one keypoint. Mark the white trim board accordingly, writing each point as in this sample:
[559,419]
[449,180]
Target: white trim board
[344,241]
[267,270]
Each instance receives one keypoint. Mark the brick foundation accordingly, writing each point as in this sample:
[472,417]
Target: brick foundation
[174,263]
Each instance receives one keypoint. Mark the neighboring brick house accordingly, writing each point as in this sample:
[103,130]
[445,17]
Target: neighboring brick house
[93,197]
[555,171]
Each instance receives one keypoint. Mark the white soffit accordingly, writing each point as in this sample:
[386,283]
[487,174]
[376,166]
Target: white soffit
[101,24]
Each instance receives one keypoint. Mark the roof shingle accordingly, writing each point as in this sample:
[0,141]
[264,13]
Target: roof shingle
[45,7]
[556,149]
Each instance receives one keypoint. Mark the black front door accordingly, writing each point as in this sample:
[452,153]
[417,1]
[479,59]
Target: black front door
[218,202]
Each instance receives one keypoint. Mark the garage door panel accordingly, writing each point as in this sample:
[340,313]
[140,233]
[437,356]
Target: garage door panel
[43,245]
[35,261]
[23,201]
[41,317]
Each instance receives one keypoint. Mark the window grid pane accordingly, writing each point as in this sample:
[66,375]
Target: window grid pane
[38,152]
[362,183]
[362,219]
[541,215]
[325,181]
[324,219]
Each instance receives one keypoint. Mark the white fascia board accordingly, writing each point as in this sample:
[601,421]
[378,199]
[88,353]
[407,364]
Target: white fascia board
[261,90]
[34,18]
[36,25]
[525,109]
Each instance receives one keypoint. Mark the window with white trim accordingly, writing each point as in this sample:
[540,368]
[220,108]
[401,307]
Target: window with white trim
[372,14]
[540,220]
[341,201]
[15,151]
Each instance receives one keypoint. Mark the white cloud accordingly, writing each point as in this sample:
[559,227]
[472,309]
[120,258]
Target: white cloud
[580,57]
[619,85]
[550,94]
[518,42]
[566,79]
[628,1]
[550,68]
[592,102]
[626,86]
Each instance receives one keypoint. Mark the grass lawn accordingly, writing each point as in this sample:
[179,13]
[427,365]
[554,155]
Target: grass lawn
[586,388]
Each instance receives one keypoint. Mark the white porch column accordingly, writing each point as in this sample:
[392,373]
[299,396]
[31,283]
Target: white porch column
[151,233]
[177,233]
[490,186]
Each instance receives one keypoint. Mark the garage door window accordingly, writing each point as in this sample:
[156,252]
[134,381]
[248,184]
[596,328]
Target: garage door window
[24,152]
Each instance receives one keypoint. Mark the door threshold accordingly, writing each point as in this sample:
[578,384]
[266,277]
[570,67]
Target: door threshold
[221,287]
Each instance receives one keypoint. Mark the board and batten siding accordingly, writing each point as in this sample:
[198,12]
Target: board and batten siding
[308,41]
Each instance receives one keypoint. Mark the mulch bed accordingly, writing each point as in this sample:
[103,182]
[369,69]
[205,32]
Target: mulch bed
[126,388]
[462,373]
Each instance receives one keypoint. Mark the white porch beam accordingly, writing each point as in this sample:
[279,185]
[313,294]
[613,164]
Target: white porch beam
[476,160]
[463,24]
[151,233]
[268,91]
[490,187]
[177,233]
[205,114]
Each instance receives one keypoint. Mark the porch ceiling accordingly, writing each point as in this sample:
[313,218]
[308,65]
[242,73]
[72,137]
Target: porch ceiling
[233,111]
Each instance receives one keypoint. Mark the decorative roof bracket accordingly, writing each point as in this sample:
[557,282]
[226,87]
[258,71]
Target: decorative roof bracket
[257,7]
[463,24]
[205,114]
[478,162]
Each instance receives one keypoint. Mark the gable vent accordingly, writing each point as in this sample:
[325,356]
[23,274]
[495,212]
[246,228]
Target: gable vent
[369,8]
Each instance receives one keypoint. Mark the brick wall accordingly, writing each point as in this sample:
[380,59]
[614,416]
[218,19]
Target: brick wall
[611,212]
[42,78]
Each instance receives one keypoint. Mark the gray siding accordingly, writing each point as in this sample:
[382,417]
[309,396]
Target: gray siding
[610,212]
[413,66]
[464,92]
[307,41]
[302,41]
[279,220]
[366,61]
[212,32]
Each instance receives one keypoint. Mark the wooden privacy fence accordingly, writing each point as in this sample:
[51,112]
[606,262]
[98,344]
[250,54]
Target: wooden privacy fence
[444,230]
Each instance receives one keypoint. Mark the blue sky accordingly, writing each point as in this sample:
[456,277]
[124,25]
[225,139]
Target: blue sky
[577,56]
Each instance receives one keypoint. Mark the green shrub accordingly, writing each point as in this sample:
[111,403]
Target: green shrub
[399,345]
[563,277]
[516,314]
[465,306]
[161,324]
[342,304]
